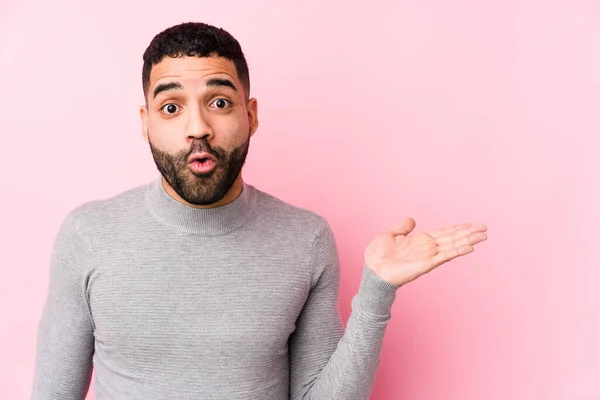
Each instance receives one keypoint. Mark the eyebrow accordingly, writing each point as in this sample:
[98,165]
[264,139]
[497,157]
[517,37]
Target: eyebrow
[163,87]
[215,82]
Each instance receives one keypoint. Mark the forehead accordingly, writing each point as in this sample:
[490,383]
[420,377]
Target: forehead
[192,69]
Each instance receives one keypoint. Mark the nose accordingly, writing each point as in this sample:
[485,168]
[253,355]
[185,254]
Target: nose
[198,125]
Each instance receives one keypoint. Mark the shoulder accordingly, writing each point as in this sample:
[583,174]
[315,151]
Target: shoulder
[291,217]
[303,227]
[96,213]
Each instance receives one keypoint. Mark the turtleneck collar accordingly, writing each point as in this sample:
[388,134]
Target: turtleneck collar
[200,221]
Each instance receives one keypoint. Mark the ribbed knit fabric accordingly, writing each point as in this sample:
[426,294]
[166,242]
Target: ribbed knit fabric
[166,301]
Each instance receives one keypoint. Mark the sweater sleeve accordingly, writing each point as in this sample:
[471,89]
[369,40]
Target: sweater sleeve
[65,341]
[326,362]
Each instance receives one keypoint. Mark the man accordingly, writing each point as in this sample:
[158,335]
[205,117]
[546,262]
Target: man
[201,286]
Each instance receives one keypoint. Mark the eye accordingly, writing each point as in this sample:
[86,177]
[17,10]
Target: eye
[170,108]
[221,103]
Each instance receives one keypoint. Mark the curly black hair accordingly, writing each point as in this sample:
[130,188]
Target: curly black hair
[199,40]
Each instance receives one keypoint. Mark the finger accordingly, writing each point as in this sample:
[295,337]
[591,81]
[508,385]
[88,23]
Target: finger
[452,237]
[478,227]
[404,227]
[469,240]
[449,230]
[455,233]
[465,236]
[445,256]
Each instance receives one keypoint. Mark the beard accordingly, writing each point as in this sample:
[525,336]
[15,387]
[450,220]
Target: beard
[201,189]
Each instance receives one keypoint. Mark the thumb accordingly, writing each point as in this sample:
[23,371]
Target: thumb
[403,228]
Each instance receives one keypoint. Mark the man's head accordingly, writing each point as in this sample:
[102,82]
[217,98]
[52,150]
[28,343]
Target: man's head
[198,115]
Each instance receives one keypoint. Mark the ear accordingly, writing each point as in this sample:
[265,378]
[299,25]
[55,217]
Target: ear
[252,108]
[144,120]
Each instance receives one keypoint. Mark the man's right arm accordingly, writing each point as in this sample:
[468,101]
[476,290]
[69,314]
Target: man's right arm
[65,343]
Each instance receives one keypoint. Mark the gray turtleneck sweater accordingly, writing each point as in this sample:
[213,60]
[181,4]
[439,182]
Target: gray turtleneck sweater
[166,301]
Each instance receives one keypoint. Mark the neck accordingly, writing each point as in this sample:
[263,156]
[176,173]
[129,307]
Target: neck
[219,218]
[234,191]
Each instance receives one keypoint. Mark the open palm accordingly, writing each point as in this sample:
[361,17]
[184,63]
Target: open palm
[399,258]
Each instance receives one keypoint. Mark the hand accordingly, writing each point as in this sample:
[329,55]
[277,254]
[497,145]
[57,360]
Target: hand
[399,259]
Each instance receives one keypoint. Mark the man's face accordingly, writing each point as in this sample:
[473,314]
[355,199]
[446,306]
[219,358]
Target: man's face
[198,126]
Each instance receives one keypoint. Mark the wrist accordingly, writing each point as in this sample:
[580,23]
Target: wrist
[375,295]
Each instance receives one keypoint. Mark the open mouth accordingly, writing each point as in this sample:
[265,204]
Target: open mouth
[202,163]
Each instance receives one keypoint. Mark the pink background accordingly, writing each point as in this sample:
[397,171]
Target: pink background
[445,111]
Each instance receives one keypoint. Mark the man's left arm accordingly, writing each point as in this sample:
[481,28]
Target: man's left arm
[326,362]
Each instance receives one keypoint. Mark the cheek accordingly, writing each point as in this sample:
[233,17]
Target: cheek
[231,132]
[171,135]
[163,142]
[164,135]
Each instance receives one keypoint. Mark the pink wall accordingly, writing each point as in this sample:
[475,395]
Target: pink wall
[444,111]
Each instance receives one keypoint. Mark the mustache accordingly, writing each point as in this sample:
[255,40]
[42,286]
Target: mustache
[199,146]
